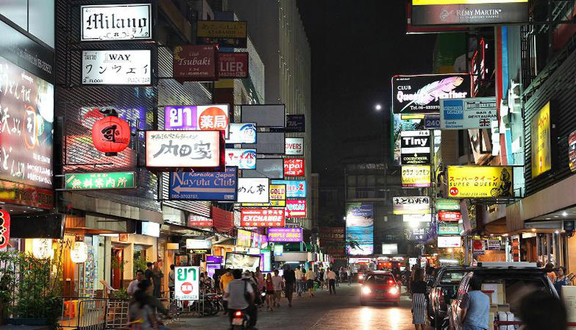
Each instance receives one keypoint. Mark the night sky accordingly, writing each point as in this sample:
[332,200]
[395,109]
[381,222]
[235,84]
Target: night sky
[357,46]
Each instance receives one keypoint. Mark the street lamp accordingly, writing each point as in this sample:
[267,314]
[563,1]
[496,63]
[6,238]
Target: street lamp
[378,107]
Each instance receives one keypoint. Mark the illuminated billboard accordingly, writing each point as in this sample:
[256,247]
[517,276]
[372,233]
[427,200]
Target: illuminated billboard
[360,228]
[416,176]
[541,142]
[479,181]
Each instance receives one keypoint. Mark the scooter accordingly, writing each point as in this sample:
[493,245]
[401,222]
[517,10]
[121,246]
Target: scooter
[240,320]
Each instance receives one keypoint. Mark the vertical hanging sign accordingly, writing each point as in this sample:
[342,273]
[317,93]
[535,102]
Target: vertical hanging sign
[4,228]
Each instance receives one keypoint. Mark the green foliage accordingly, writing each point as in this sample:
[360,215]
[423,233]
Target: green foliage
[139,264]
[121,294]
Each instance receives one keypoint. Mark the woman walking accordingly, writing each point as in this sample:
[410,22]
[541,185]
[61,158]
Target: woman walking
[418,291]
[141,310]
[269,292]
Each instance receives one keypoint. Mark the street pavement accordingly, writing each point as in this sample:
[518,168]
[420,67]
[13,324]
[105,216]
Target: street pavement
[324,311]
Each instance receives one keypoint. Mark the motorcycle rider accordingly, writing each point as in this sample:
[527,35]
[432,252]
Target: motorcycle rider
[240,295]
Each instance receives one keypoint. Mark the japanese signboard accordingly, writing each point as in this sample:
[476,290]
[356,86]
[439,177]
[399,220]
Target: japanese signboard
[293,167]
[411,205]
[204,186]
[414,218]
[116,22]
[468,12]
[294,189]
[245,159]
[26,127]
[223,33]
[360,228]
[98,181]
[233,65]
[493,244]
[449,216]
[183,149]
[253,190]
[199,221]
[444,204]
[17,193]
[277,197]
[269,143]
[5,229]
[467,113]
[415,147]
[262,218]
[272,168]
[243,238]
[478,247]
[479,181]
[449,241]
[264,115]
[416,176]
[197,117]
[572,151]
[421,94]
[116,67]
[541,144]
[198,244]
[295,124]
[294,146]
[285,235]
[186,284]
[195,63]
[296,208]
[241,133]
[447,228]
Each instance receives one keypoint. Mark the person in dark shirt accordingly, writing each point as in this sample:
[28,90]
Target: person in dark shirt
[418,291]
[148,274]
[289,281]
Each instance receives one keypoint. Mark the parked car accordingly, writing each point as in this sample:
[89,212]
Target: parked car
[516,280]
[441,292]
[380,286]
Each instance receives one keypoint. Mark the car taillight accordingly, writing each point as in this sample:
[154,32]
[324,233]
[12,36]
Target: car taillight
[238,314]
[391,282]
[393,290]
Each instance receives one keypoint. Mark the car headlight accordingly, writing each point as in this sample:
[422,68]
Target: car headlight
[366,290]
[360,277]
[393,290]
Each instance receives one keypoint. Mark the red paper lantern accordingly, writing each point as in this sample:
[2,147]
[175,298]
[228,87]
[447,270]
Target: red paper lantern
[4,228]
[111,135]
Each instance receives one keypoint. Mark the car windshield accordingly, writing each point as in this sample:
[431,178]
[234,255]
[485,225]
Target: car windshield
[380,279]
[452,277]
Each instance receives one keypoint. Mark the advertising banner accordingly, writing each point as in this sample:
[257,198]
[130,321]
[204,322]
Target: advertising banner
[272,168]
[269,143]
[294,189]
[264,115]
[420,94]
[195,63]
[198,244]
[244,238]
[186,286]
[183,149]
[285,235]
[467,113]
[224,33]
[390,248]
[415,147]
[444,204]
[262,218]
[253,190]
[116,22]
[116,67]
[241,133]
[449,241]
[360,228]
[447,228]
[449,216]
[199,221]
[294,146]
[572,151]
[296,208]
[197,118]
[468,12]
[478,247]
[233,65]
[204,186]
[277,197]
[493,244]
[295,124]
[541,144]
[99,181]
[479,181]
[17,193]
[432,121]
[293,167]
[27,120]
[5,229]
[411,205]
[416,176]
[244,159]
[414,218]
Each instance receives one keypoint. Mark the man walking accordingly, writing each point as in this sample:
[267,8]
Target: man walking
[224,281]
[289,280]
[310,278]
[133,286]
[475,307]
[278,286]
[299,283]
[171,278]
[331,276]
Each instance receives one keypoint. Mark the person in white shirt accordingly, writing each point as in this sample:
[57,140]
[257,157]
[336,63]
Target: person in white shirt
[234,293]
[331,277]
[310,278]
[133,286]
[278,287]
[299,283]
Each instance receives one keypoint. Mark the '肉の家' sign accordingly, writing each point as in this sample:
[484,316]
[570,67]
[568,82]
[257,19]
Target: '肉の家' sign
[183,149]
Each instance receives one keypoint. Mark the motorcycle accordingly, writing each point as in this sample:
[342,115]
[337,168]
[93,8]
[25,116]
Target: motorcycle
[240,320]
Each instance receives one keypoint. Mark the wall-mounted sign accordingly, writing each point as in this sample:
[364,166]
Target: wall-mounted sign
[197,117]
[243,238]
[493,244]
[199,221]
[294,189]
[264,115]
[478,247]
[541,144]
[262,218]
[273,143]
[572,151]
[479,181]
[241,133]
[116,22]
[411,205]
[296,208]
[285,235]
[278,250]
[204,186]
[198,244]
[448,228]
[468,12]
[150,228]
[415,147]
[467,113]
[449,241]
[293,167]
[421,94]
[449,216]
[415,218]
[223,33]
[195,63]
[360,228]
[432,121]
[277,197]
[295,124]
[244,159]
[390,248]
[111,135]
[294,146]
[272,168]
[253,190]
[233,65]
[186,286]
[99,181]
[20,194]
[116,67]
[4,228]
[184,149]
[416,176]
[444,204]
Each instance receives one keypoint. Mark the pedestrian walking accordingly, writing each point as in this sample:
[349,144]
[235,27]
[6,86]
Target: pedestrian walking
[269,292]
[475,307]
[331,276]
[299,282]
[157,276]
[349,275]
[418,292]
[171,278]
[289,281]
[224,281]
[310,278]
[321,278]
[562,279]
[142,314]
[278,287]
[342,274]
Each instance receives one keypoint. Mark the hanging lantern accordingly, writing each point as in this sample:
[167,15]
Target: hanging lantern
[79,252]
[111,134]
[42,248]
[4,228]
